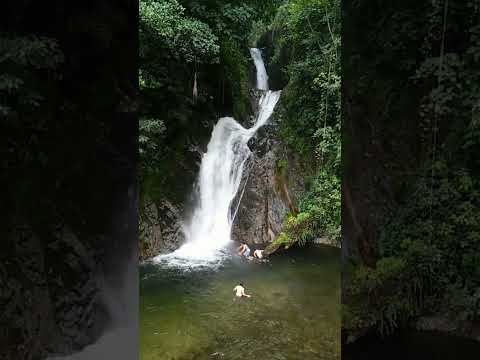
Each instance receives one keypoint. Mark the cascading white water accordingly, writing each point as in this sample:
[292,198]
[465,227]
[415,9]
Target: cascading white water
[208,231]
[262,77]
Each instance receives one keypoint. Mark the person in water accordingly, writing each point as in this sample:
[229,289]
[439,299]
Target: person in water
[243,250]
[239,291]
[258,254]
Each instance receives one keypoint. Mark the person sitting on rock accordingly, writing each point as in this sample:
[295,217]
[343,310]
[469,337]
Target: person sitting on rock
[239,291]
[244,250]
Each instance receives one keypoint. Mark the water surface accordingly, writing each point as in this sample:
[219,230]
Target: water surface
[294,312]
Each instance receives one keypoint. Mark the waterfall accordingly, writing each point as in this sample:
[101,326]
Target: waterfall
[262,77]
[208,231]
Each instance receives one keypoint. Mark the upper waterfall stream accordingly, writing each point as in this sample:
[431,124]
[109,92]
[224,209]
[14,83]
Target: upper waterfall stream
[208,231]
[262,76]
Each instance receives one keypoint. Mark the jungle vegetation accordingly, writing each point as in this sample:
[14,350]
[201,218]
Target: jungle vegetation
[194,64]
[411,129]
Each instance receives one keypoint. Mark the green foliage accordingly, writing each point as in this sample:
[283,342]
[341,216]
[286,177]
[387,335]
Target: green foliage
[232,22]
[173,45]
[323,203]
[430,224]
[319,213]
[374,300]
[235,21]
[30,51]
[434,242]
[446,224]
[27,63]
[236,72]
[186,39]
[311,101]
[328,146]
[394,292]
[29,72]
[187,43]
[180,38]
[310,111]
[282,167]
[258,29]
[152,132]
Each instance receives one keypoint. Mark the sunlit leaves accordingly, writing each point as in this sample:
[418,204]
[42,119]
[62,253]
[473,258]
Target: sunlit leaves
[187,39]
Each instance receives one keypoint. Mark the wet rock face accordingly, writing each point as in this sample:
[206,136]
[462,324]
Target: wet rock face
[267,194]
[261,211]
[160,227]
[161,217]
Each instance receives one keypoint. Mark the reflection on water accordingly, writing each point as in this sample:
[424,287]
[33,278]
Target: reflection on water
[294,312]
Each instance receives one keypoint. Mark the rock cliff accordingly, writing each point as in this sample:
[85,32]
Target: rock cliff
[270,188]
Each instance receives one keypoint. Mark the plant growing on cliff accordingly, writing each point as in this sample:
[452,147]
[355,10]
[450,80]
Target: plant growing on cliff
[318,216]
[310,112]
[152,133]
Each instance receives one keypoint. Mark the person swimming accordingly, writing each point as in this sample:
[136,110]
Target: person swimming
[239,291]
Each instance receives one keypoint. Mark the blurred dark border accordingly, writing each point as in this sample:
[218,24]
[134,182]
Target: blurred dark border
[68,178]
[411,170]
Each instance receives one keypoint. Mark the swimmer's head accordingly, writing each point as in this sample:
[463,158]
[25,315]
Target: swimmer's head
[241,284]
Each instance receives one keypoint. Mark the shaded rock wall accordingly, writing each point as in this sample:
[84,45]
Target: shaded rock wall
[268,191]
[161,225]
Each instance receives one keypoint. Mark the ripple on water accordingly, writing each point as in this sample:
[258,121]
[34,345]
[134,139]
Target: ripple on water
[182,262]
[189,312]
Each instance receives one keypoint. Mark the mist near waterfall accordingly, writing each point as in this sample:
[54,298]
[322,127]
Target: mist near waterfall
[208,231]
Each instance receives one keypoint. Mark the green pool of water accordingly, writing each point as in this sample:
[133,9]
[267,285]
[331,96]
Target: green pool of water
[294,311]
